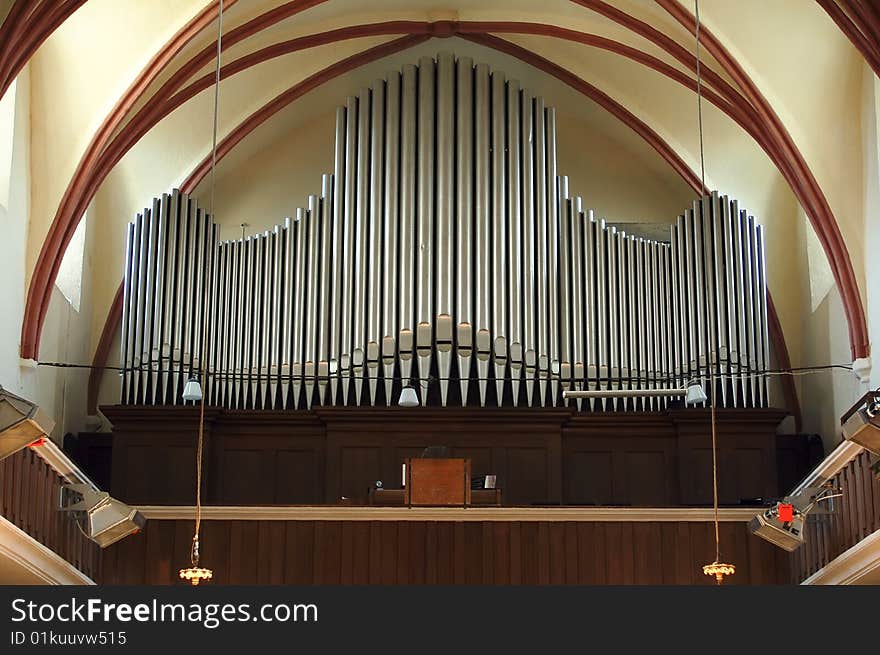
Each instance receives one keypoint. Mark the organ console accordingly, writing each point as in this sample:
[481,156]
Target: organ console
[444,245]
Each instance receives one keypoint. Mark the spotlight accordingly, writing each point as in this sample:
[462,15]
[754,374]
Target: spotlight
[21,423]
[861,423]
[785,534]
[408,397]
[192,390]
[104,519]
[783,523]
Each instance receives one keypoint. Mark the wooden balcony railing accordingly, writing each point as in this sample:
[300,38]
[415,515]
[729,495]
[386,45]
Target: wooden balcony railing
[29,494]
[856,515]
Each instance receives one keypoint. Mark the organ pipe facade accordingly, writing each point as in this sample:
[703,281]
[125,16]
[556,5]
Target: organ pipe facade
[444,252]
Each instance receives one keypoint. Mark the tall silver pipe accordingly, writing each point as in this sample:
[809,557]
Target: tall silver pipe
[312,283]
[553,249]
[338,265]
[262,319]
[247,304]
[425,207]
[325,297]
[274,317]
[361,243]
[514,327]
[602,306]
[624,311]
[529,243]
[728,220]
[349,245]
[739,297]
[299,307]
[222,336]
[213,345]
[763,325]
[499,234]
[150,351]
[406,338]
[653,327]
[285,372]
[376,234]
[444,203]
[464,220]
[614,318]
[591,331]
[483,218]
[542,252]
[390,324]
[161,300]
[751,302]
[125,336]
[566,275]
[578,280]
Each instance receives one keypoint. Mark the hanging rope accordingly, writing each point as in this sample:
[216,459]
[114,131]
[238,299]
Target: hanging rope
[194,555]
[716,568]
[699,98]
[715,486]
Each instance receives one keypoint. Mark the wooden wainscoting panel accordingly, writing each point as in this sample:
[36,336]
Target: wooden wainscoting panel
[540,456]
[444,552]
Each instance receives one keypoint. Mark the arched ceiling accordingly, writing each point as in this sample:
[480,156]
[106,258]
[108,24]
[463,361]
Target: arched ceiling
[135,87]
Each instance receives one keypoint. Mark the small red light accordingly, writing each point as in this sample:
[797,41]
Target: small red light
[39,442]
[786,513]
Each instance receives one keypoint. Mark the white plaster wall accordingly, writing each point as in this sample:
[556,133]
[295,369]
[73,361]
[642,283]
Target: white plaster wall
[61,392]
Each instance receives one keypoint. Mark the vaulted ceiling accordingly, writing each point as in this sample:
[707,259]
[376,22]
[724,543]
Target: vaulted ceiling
[121,106]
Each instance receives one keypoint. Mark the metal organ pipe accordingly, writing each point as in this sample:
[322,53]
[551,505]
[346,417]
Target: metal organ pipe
[406,342]
[425,253]
[390,248]
[336,263]
[361,243]
[500,284]
[445,207]
[483,218]
[529,236]
[464,221]
[375,260]
[443,235]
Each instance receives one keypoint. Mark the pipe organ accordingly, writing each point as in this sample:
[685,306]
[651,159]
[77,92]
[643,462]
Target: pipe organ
[446,252]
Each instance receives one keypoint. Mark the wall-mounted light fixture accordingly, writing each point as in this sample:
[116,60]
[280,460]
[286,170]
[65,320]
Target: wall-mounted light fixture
[783,523]
[21,423]
[102,518]
[861,422]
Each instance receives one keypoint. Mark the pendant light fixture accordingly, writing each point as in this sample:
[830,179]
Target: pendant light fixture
[408,397]
[194,390]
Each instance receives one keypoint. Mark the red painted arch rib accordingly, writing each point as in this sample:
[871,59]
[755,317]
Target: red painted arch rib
[26,36]
[856,30]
